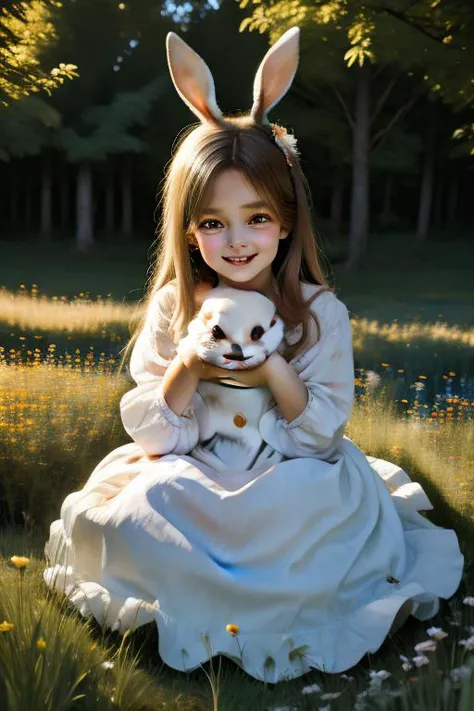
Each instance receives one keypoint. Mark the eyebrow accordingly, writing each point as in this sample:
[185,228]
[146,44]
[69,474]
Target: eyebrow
[259,204]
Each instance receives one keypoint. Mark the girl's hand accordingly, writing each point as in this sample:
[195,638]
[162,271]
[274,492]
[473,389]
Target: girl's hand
[253,377]
[201,369]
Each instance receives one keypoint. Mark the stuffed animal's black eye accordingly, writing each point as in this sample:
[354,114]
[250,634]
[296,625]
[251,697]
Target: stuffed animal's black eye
[217,333]
[256,333]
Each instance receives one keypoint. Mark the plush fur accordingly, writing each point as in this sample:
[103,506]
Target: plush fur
[234,329]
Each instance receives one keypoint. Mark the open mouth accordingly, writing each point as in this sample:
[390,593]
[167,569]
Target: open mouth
[239,261]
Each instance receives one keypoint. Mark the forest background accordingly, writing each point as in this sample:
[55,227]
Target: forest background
[382,107]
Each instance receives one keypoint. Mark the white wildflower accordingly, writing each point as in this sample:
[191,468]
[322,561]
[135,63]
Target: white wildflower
[428,646]
[360,704]
[421,660]
[436,633]
[469,600]
[467,643]
[330,696]
[373,379]
[313,689]
[382,674]
[419,386]
[347,678]
[406,666]
[461,672]
[107,665]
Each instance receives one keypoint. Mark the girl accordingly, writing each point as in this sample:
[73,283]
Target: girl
[263,534]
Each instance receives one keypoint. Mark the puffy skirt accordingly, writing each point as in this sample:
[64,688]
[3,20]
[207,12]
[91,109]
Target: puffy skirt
[309,560]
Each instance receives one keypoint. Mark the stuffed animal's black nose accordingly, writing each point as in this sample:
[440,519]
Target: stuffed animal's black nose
[237,353]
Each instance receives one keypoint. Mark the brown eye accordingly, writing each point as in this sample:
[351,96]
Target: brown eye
[217,333]
[256,333]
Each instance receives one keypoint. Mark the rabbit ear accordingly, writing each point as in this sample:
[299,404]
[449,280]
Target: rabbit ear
[192,79]
[275,74]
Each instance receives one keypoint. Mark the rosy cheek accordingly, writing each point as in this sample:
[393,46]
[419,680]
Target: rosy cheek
[210,245]
[266,238]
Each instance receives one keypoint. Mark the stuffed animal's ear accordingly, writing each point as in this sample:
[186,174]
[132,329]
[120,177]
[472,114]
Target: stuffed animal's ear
[275,74]
[192,79]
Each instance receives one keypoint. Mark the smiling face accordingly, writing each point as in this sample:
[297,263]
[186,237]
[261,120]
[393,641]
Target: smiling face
[236,222]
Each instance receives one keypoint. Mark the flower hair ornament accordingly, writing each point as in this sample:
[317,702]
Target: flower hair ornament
[195,85]
[286,141]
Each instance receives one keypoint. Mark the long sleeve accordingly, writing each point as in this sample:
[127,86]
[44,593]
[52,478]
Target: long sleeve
[327,369]
[146,416]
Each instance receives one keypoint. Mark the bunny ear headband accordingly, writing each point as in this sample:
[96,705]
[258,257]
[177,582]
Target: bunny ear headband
[195,85]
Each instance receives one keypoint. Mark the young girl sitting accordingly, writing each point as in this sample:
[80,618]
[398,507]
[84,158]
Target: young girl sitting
[240,519]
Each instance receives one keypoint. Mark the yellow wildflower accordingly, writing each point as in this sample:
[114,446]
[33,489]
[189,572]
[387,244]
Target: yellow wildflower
[41,643]
[233,630]
[6,626]
[19,561]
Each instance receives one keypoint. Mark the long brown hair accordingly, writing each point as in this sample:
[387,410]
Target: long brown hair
[203,152]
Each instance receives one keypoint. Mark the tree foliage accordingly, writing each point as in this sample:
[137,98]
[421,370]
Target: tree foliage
[26,29]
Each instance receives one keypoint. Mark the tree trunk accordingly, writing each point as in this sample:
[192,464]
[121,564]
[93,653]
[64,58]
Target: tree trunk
[453,196]
[426,193]
[46,222]
[14,203]
[359,218]
[386,214]
[28,217]
[110,204]
[337,201]
[84,222]
[439,201]
[64,201]
[126,185]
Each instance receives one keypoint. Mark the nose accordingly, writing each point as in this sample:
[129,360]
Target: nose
[236,239]
[236,354]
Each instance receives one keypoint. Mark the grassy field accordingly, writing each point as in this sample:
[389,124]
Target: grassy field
[59,416]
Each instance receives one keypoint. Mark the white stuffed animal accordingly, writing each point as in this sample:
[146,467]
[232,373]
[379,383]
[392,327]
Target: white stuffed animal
[234,329]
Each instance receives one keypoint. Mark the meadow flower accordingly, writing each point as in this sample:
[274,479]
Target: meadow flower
[421,660]
[461,672]
[233,630]
[373,379]
[19,561]
[467,643]
[436,633]
[469,600]
[107,665]
[6,626]
[360,702]
[330,696]
[313,689]
[41,643]
[406,666]
[381,675]
[347,678]
[428,646]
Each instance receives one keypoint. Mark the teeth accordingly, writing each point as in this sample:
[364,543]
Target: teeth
[238,259]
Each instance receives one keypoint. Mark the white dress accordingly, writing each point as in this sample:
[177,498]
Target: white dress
[287,530]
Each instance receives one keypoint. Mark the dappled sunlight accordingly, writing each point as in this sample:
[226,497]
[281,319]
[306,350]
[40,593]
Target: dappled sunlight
[30,311]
